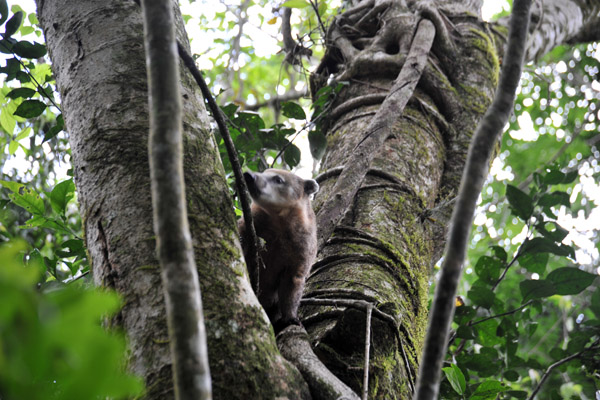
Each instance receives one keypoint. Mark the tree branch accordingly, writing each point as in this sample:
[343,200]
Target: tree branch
[180,278]
[358,164]
[558,364]
[251,240]
[294,345]
[473,178]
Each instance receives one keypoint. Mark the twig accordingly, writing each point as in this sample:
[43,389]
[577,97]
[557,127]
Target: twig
[474,174]
[558,364]
[42,92]
[367,349]
[251,240]
[501,315]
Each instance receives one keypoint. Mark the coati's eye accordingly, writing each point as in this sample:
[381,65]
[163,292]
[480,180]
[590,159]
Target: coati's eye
[278,180]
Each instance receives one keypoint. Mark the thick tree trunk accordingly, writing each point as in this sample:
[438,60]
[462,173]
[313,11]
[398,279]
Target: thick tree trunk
[98,58]
[395,228]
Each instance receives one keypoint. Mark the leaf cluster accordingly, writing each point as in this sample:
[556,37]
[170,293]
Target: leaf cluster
[492,345]
[53,345]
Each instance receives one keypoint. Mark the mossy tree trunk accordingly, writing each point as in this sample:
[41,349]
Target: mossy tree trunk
[394,230]
[97,51]
[381,252]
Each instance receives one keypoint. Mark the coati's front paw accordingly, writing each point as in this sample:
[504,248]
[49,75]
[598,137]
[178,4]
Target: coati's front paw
[281,324]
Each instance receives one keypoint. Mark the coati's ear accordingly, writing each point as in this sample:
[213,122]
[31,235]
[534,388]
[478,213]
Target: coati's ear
[311,186]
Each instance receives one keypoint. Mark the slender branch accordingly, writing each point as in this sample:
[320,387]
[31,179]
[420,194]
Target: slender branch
[485,138]
[187,335]
[558,364]
[501,315]
[367,349]
[251,239]
[42,91]
[287,96]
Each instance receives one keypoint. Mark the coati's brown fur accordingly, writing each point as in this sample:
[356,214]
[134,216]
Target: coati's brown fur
[284,218]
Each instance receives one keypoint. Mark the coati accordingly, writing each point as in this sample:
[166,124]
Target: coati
[284,218]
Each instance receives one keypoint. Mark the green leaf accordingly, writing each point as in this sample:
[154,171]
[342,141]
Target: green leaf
[520,202]
[292,110]
[13,24]
[534,262]
[13,146]
[29,200]
[291,155]
[14,187]
[456,378]
[481,296]
[555,198]
[517,394]
[23,92]
[3,11]
[556,235]
[554,177]
[55,130]
[296,4]
[570,177]
[484,364]
[500,253]
[488,269]
[24,134]
[543,245]
[61,195]
[570,280]
[27,49]
[7,121]
[30,109]
[488,390]
[511,375]
[536,289]
[487,334]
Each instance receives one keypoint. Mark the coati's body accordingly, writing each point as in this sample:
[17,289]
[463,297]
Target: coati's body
[284,218]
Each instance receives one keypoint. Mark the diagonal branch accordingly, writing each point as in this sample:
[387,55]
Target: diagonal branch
[473,178]
[359,162]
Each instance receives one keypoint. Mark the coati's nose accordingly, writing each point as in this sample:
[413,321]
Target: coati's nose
[250,178]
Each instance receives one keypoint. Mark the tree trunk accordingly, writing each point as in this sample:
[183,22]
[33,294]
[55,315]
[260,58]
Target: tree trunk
[381,252]
[395,228]
[98,58]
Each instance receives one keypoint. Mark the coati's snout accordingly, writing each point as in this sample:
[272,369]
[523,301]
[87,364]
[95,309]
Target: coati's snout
[252,183]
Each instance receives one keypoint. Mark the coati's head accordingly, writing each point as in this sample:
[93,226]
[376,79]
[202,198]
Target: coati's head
[278,189]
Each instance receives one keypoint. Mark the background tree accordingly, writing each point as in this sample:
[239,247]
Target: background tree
[382,251]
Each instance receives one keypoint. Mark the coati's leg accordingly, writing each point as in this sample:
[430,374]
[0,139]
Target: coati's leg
[290,292]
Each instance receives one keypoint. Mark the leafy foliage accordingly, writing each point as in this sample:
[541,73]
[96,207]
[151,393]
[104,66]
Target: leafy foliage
[529,285]
[52,344]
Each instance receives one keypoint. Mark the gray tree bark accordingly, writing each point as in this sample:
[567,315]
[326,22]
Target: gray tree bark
[98,59]
[382,250]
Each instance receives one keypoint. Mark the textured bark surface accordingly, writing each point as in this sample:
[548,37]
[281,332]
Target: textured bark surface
[395,228]
[383,249]
[98,59]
